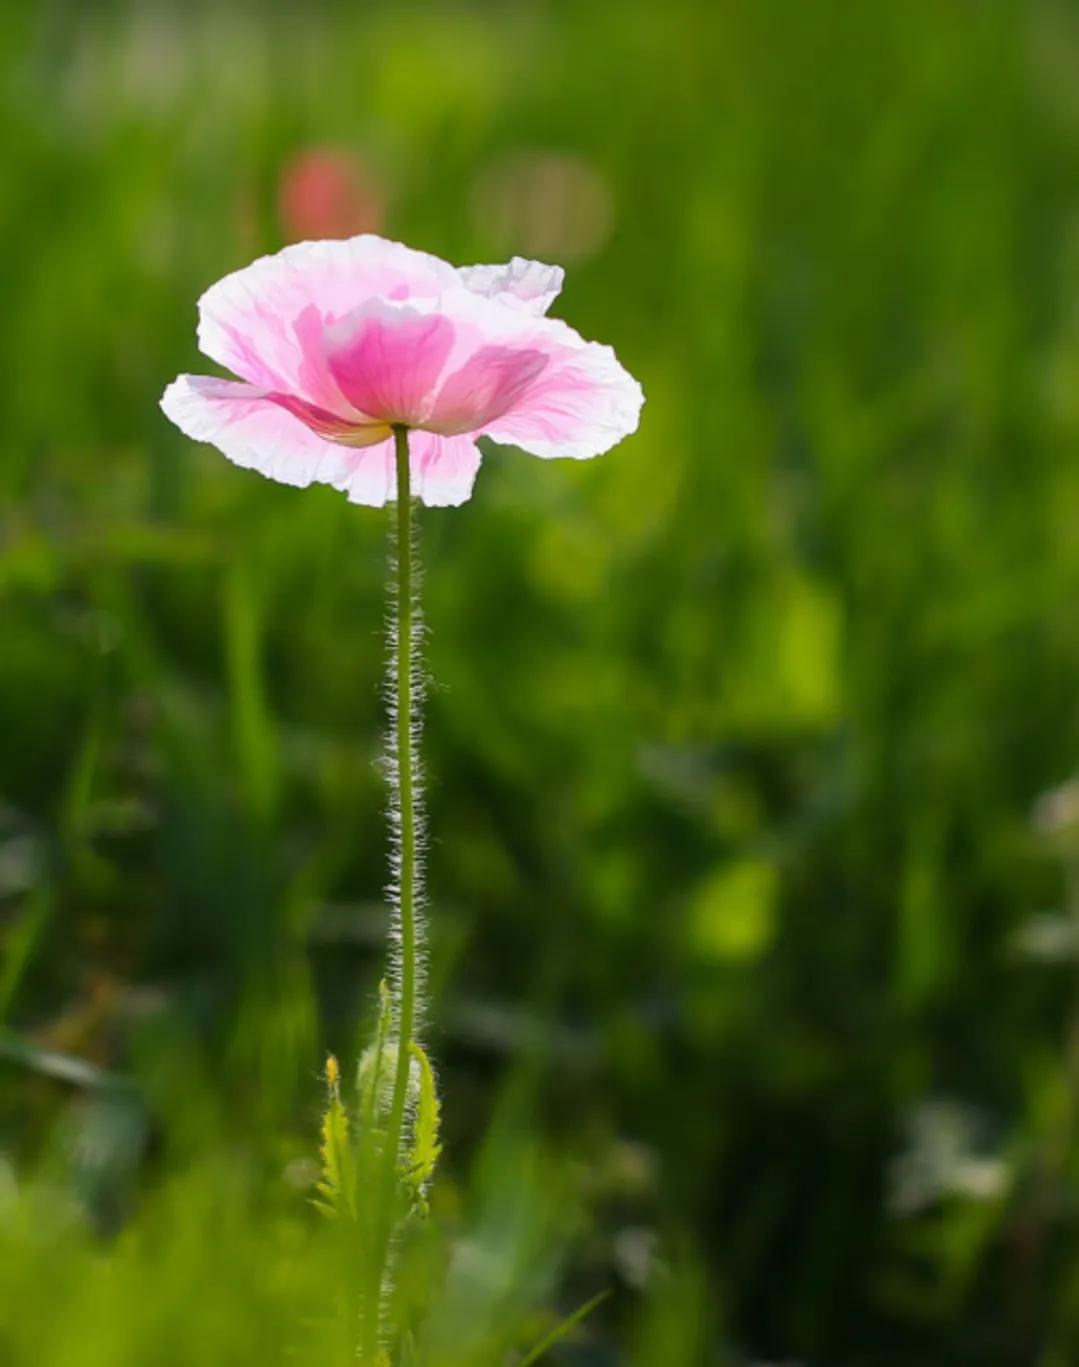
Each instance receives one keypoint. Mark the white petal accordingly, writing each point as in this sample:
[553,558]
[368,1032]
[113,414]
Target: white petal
[530,286]
[443,468]
[253,431]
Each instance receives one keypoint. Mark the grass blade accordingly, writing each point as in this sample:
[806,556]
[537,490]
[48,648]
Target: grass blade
[559,1332]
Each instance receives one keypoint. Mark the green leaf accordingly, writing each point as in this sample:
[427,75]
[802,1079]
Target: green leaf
[372,1070]
[426,1147]
[335,1188]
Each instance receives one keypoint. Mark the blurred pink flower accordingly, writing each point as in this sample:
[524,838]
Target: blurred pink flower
[327,192]
[337,342]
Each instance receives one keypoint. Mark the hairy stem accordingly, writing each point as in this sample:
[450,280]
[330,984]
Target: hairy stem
[407,878]
[404,885]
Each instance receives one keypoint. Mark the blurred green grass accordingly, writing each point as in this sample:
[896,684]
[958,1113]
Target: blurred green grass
[735,734]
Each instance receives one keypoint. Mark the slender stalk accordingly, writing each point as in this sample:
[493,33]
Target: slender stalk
[405,891]
[406,795]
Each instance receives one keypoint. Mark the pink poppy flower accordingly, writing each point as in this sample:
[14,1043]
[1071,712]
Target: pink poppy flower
[336,343]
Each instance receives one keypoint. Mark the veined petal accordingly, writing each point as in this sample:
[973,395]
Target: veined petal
[490,382]
[247,320]
[252,430]
[583,403]
[329,425]
[371,478]
[386,359]
[264,432]
[530,286]
[443,469]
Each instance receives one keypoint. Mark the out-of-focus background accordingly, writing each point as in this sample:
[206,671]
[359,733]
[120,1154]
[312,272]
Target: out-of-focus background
[754,928]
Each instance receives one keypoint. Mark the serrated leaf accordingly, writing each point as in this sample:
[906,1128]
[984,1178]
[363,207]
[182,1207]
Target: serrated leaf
[334,1187]
[425,1147]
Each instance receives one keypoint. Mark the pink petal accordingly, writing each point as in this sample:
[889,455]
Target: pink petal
[491,381]
[253,431]
[312,372]
[372,478]
[443,469]
[583,403]
[329,425]
[247,321]
[529,286]
[258,431]
[387,358]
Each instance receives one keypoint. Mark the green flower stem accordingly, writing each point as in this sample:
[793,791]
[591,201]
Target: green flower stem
[406,1005]
[406,833]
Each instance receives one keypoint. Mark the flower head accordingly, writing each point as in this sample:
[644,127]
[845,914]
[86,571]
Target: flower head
[338,343]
